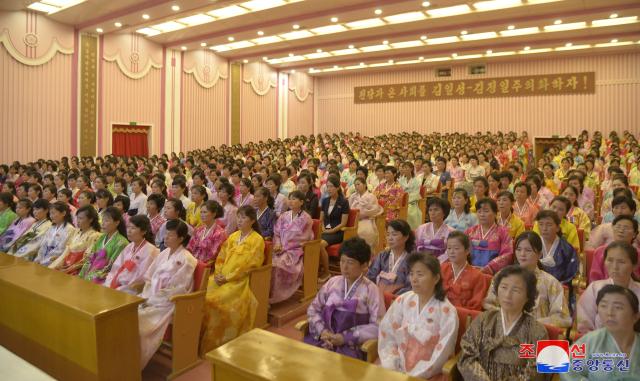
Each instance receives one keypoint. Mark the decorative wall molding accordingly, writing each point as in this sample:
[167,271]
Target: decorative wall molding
[34,40]
[206,67]
[260,76]
[301,85]
[134,55]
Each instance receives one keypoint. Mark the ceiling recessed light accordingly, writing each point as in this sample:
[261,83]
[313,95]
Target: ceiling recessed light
[423,37]
[421,58]
[613,16]
[318,50]
[361,63]
[557,22]
[385,42]
[454,55]
[351,46]
[527,47]
[290,54]
[117,24]
[145,16]
[568,44]
[296,26]
[203,44]
[265,58]
[489,51]
[463,32]
[260,33]
[511,27]
[245,61]
[335,66]
[614,40]
[334,19]
[293,71]
[175,8]
[390,61]
[99,30]
[183,47]
[426,4]
[378,11]
[231,39]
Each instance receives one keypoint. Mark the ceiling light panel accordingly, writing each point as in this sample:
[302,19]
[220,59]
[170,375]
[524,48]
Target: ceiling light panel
[375,48]
[227,12]
[619,43]
[562,27]
[296,35]
[407,44]
[344,52]
[169,26]
[314,56]
[533,51]
[266,40]
[573,47]
[329,29]
[496,4]
[53,6]
[519,32]
[449,11]
[615,21]
[479,36]
[442,40]
[258,5]
[148,32]
[368,23]
[198,19]
[40,7]
[405,17]
[240,45]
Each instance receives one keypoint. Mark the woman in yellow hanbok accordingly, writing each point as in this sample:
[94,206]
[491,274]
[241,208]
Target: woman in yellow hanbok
[230,306]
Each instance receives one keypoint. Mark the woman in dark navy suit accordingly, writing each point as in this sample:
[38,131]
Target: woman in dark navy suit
[335,212]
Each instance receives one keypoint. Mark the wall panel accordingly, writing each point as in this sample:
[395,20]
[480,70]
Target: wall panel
[614,106]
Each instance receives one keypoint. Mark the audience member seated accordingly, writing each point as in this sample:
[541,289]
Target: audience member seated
[367,204]
[389,269]
[155,207]
[246,193]
[625,229]
[617,308]
[311,203]
[209,236]
[347,309]
[171,273]
[230,306]
[55,239]
[523,207]
[620,258]
[226,199]
[603,233]
[390,193]
[138,204]
[460,218]
[198,197]
[81,243]
[7,215]
[480,191]
[465,285]
[28,244]
[24,220]
[432,236]
[97,263]
[561,205]
[576,215]
[263,203]
[491,344]
[584,195]
[173,210]
[418,333]
[272,183]
[334,216]
[491,245]
[294,227]
[128,270]
[411,185]
[506,217]
[536,198]
[551,306]
[559,258]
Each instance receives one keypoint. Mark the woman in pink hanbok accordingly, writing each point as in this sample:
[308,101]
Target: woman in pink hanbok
[292,229]
[209,237]
[127,272]
[367,204]
[390,193]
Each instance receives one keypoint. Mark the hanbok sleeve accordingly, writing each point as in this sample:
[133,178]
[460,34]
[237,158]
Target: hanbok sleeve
[482,285]
[558,307]
[470,346]
[361,333]
[587,310]
[277,229]
[390,338]
[375,268]
[491,301]
[446,345]
[505,256]
[597,266]
[180,283]
[314,312]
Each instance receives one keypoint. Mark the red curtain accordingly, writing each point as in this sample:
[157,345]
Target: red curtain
[130,141]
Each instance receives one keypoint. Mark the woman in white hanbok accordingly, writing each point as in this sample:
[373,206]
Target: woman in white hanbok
[170,274]
[367,204]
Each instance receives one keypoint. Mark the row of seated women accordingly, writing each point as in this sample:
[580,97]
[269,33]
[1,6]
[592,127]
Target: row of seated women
[418,333]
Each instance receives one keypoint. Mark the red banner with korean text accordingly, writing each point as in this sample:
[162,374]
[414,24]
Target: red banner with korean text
[522,86]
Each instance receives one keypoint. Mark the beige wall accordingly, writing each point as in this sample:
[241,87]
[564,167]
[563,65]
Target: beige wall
[614,106]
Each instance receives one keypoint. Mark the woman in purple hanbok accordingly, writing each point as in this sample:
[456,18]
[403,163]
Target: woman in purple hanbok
[293,227]
[18,226]
[348,308]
